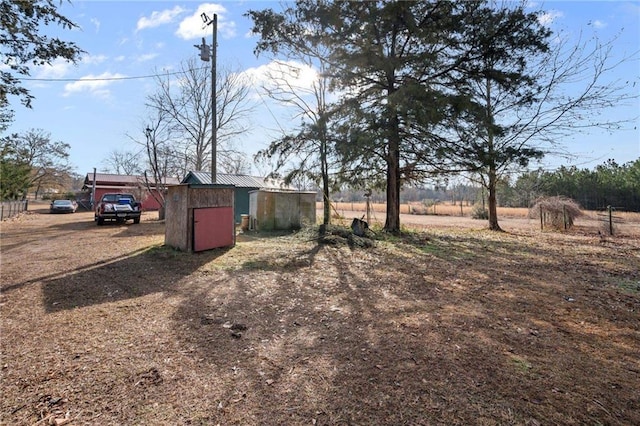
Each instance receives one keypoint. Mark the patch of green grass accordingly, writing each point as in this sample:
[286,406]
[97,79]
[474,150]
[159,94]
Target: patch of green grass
[163,250]
[258,264]
[521,364]
[434,249]
[629,285]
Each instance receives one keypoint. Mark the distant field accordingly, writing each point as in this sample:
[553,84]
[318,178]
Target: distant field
[511,219]
[446,209]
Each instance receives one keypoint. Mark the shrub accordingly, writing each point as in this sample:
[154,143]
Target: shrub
[479,212]
[419,209]
[428,206]
[557,212]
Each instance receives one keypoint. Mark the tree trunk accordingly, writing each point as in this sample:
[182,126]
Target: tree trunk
[493,202]
[493,174]
[326,203]
[161,212]
[392,223]
[326,220]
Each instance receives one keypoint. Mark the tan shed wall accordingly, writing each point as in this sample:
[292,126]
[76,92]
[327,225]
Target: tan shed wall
[307,207]
[208,197]
[177,227]
[274,210]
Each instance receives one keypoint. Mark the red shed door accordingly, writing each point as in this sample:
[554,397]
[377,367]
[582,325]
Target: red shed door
[212,227]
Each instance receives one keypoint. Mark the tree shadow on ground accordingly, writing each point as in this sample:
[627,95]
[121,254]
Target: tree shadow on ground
[142,228]
[390,337]
[136,274]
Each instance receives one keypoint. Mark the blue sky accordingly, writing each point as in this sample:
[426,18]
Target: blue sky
[136,38]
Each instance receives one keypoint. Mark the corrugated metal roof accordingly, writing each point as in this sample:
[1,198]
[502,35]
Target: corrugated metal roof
[241,181]
[113,179]
[117,187]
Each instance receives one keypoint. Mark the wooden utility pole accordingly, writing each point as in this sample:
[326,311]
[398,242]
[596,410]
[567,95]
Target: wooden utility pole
[214,113]
[205,54]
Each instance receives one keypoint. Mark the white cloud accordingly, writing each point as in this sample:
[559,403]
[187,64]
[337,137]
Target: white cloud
[193,26]
[95,85]
[146,57]
[94,59]
[598,24]
[550,17]
[96,23]
[227,29]
[295,74]
[58,69]
[119,58]
[158,18]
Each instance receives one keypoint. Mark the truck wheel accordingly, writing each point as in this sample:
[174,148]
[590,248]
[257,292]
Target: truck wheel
[136,220]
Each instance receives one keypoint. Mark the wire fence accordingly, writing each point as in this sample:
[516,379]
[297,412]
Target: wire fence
[610,220]
[12,208]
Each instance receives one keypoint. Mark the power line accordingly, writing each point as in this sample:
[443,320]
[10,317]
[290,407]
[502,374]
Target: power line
[139,77]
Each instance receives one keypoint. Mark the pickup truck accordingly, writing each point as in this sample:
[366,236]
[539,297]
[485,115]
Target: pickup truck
[118,207]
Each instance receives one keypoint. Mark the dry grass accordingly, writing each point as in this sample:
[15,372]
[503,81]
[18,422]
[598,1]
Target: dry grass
[591,222]
[451,326]
[442,209]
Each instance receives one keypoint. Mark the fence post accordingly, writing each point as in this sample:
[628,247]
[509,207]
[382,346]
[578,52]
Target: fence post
[610,220]
[368,209]
[541,219]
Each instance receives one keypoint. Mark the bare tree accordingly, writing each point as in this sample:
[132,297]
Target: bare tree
[162,157]
[528,90]
[158,163]
[238,164]
[309,150]
[123,162]
[184,104]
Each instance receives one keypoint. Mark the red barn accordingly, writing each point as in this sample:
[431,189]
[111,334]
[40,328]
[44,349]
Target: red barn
[131,184]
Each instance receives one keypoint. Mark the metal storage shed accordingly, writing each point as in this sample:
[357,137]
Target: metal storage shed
[273,210]
[243,185]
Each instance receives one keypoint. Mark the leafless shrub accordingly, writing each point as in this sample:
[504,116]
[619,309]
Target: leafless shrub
[557,212]
[427,206]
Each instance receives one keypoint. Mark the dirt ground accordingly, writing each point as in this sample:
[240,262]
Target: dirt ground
[448,325]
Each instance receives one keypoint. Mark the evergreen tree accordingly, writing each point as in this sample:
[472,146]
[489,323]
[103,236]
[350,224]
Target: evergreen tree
[392,61]
[295,34]
[498,82]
